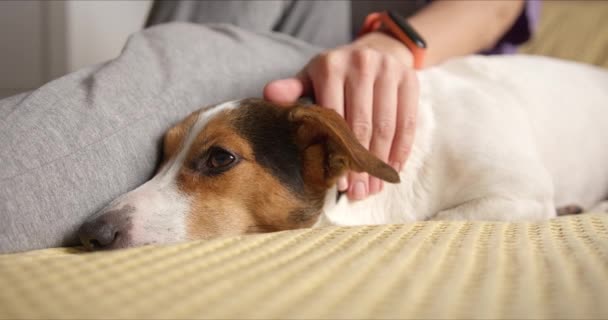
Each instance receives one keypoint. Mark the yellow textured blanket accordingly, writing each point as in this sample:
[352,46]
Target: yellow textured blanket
[572,30]
[557,269]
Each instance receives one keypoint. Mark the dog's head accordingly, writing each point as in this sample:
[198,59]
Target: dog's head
[240,167]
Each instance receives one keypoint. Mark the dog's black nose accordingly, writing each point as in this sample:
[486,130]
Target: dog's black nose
[107,229]
[100,233]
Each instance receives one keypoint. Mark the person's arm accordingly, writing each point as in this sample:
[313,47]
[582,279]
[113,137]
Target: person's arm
[455,28]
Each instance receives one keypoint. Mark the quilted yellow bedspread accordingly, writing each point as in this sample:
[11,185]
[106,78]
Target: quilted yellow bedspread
[573,30]
[557,269]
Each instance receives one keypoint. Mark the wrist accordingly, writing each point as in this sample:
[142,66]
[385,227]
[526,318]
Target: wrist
[387,44]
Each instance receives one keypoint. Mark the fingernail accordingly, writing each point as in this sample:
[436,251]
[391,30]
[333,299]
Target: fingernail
[396,165]
[359,191]
[342,184]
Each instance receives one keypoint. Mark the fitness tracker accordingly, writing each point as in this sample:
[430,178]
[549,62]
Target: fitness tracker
[398,27]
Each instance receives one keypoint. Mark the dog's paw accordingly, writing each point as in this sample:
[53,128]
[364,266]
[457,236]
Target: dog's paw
[569,209]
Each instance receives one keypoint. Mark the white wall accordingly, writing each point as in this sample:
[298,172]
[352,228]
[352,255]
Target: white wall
[97,30]
[41,40]
[21,59]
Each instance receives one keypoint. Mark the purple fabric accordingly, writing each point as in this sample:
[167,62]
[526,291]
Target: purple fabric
[521,31]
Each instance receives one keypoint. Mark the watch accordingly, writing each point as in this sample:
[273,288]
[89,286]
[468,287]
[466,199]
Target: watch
[398,27]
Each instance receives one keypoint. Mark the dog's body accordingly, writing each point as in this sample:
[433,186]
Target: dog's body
[502,138]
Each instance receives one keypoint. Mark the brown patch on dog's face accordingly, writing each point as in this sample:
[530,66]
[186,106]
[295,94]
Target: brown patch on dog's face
[261,167]
[245,197]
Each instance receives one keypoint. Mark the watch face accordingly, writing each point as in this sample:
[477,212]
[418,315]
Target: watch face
[407,29]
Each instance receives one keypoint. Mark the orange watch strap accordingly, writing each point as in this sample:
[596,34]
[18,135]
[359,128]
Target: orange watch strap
[376,20]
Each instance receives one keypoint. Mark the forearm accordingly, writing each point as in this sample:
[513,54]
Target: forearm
[454,28]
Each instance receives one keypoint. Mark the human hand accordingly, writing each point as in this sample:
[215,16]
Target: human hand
[371,83]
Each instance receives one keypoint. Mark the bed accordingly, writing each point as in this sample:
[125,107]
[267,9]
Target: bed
[462,270]
[554,269]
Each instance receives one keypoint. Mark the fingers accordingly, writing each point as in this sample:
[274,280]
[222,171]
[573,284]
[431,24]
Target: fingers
[359,102]
[343,183]
[327,77]
[384,116]
[407,109]
[329,92]
[285,91]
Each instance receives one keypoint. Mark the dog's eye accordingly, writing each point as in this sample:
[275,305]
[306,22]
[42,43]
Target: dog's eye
[220,158]
[215,161]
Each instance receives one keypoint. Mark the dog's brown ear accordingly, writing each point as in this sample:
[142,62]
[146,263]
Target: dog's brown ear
[329,148]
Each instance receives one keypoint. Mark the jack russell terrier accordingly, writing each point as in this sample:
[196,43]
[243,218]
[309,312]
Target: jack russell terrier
[498,138]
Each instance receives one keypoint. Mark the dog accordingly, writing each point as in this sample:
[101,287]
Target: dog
[508,138]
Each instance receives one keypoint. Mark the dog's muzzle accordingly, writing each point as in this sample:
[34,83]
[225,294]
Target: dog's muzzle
[155,212]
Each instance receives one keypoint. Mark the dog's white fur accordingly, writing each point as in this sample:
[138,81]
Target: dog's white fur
[498,138]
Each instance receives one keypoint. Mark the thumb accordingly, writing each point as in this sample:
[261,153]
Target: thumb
[287,90]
